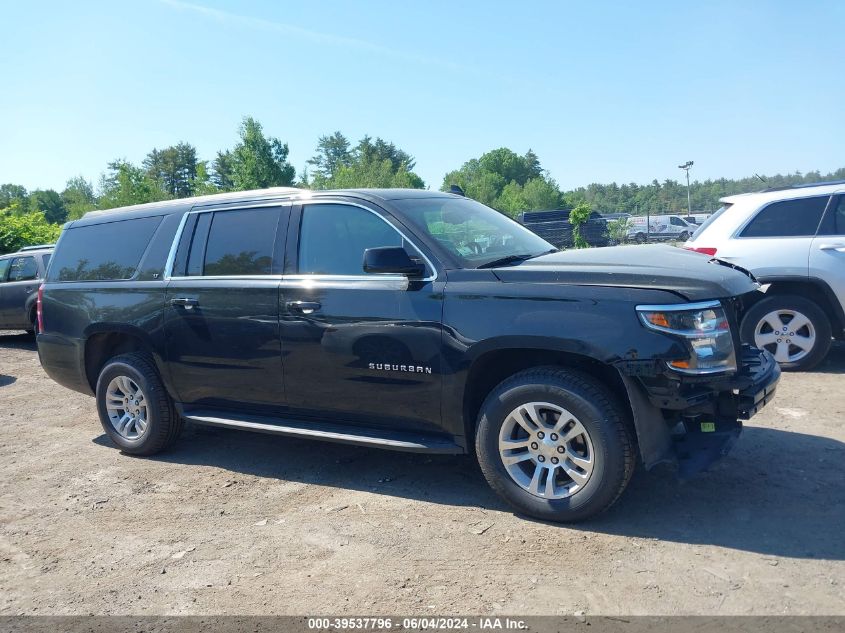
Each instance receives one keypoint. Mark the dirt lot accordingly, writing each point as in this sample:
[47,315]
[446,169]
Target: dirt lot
[237,523]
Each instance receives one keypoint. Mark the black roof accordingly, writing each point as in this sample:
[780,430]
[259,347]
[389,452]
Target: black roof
[179,205]
[805,185]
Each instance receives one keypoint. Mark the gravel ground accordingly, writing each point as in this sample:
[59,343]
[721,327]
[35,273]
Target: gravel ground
[239,523]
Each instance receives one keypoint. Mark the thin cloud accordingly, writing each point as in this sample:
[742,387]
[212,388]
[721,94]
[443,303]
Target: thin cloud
[228,18]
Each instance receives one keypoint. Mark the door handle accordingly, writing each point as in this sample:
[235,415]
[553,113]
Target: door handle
[185,302]
[304,307]
[832,247]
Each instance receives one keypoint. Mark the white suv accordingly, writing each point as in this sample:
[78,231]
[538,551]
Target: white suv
[793,241]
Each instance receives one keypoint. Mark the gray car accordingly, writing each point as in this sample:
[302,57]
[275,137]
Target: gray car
[20,275]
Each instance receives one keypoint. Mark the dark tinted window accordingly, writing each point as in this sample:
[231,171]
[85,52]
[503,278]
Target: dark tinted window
[789,218]
[241,242]
[197,257]
[102,251]
[45,259]
[333,238]
[834,221]
[23,269]
[4,268]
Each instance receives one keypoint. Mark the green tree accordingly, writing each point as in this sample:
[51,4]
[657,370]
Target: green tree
[333,152]
[371,163]
[577,217]
[174,168]
[78,196]
[259,161]
[16,195]
[27,229]
[50,203]
[203,182]
[506,181]
[222,171]
[125,184]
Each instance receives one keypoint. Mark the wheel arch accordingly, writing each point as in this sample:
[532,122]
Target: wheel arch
[491,367]
[105,341]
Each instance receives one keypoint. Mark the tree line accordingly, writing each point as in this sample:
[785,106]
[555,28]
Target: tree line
[501,178]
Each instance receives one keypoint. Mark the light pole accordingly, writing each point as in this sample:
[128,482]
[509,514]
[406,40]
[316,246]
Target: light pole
[686,167]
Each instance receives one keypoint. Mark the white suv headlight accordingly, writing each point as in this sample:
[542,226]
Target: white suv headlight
[703,327]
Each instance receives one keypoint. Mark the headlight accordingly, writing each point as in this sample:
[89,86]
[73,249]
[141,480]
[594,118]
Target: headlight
[703,327]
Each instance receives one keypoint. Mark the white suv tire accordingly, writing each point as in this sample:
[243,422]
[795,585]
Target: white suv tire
[771,324]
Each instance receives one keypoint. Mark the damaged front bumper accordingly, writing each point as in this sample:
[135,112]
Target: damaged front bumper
[694,421]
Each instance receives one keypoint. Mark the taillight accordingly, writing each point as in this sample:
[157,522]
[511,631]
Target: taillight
[39,310]
[702,249]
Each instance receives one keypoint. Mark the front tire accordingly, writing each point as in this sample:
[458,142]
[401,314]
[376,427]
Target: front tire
[794,329]
[554,444]
[134,408]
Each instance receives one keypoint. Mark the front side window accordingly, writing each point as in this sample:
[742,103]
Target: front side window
[473,233]
[834,221]
[23,269]
[676,221]
[333,238]
[239,243]
[788,218]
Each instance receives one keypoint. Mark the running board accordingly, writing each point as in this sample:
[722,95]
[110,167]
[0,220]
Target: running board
[376,438]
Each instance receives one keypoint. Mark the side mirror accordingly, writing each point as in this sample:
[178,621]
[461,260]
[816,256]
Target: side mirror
[391,259]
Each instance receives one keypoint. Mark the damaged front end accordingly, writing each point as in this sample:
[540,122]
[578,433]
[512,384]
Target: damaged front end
[689,410]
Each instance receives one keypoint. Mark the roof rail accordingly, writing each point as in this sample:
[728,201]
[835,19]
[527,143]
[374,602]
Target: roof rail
[35,247]
[804,185]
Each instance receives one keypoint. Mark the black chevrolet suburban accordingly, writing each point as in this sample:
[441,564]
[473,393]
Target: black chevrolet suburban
[404,319]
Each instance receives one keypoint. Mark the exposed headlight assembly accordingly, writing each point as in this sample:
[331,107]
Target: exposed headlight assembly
[703,327]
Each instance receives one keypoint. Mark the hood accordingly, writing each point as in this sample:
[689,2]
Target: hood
[657,267]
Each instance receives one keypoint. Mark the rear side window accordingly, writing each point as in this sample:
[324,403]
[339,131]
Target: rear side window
[240,243]
[46,261]
[23,269]
[100,252]
[4,268]
[789,218]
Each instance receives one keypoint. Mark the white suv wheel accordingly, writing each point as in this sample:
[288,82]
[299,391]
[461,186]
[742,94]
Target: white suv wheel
[787,334]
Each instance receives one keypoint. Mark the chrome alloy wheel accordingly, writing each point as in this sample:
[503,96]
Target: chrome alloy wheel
[787,334]
[127,407]
[546,450]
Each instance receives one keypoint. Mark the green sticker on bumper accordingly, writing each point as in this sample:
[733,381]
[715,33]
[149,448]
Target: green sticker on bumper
[708,427]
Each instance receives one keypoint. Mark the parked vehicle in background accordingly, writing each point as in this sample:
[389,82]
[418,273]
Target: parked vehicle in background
[20,275]
[553,226]
[404,319]
[659,228]
[793,240]
[696,218]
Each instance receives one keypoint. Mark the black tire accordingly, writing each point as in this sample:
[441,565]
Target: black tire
[794,303]
[684,236]
[640,238]
[599,413]
[163,422]
[33,320]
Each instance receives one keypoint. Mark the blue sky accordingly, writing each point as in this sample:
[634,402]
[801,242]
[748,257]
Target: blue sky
[601,91]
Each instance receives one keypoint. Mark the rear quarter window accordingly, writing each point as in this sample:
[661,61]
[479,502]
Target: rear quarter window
[102,252]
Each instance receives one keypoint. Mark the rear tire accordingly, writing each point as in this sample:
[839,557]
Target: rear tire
[795,348]
[640,238]
[588,471]
[135,410]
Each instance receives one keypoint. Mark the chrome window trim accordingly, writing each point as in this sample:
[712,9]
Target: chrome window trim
[171,256]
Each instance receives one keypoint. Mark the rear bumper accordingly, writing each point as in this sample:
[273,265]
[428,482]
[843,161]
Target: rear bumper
[63,360]
[693,422]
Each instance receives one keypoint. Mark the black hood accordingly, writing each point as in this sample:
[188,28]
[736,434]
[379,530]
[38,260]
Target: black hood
[662,267]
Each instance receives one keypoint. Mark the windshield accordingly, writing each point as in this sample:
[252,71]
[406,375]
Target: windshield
[471,232]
